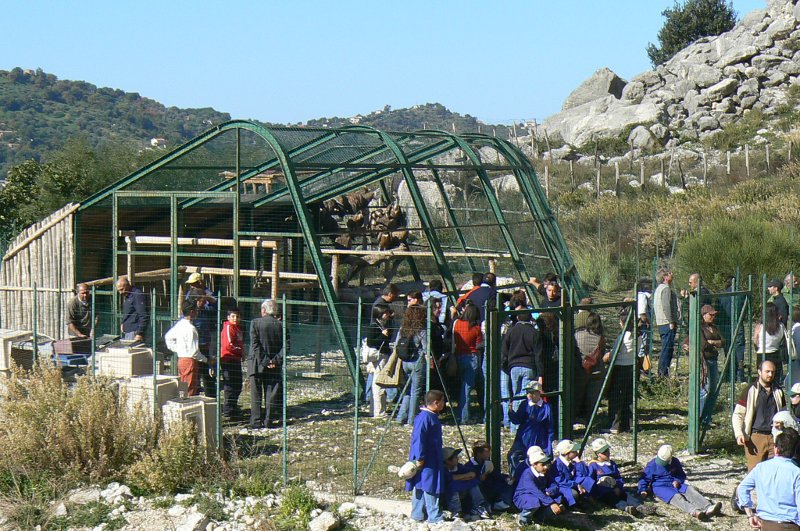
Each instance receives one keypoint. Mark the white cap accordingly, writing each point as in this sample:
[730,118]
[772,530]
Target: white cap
[795,390]
[566,446]
[600,445]
[784,417]
[665,453]
[537,455]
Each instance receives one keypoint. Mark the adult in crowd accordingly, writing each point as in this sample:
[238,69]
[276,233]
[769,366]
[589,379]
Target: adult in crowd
[589,381]
[206,324]
[264,365]
[794,396]
[547,323]
[769,338]
[777,482]
[776,297]
[620,388]
[694,283]
[644,309]
[195,281]
[439,345]
[427,485]
[435,291]
[231,354]
[414,298]
[791,289]
[466,337]
[388,296]
[477,280]
[134,311]
[485,295]
[710,342]
[182,340]
[79,313]
[521,356]
[667,317]
[753,412]
[380,332]
[580,317]
[414,334]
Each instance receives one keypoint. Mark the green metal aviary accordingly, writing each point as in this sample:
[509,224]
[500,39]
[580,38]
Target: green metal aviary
[245,203]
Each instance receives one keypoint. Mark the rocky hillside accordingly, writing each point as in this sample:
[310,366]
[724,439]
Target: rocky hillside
[707,86]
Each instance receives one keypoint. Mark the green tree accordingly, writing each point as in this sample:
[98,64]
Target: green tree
[687,22]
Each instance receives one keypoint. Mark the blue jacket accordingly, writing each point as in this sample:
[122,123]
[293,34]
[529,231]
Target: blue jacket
[569,477]
[658,479]
[535,427]
[495,485]
[460,485]
[533,492]
[598,470]
[426,445]
[134,312]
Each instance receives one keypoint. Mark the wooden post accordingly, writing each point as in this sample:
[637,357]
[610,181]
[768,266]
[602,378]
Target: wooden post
[547,181]
[705,169]
[766,147]
[534,155]
[130,244]
[596,147]
[641,172]
[616,179]
[276,257]
[747,160]
[728,163]
[572,173]
[492,266]
[663,173]
[547,143]
[598,183]
[789,156]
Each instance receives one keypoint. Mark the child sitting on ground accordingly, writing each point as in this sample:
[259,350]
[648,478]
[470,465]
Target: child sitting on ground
[535,421]
[537,495]
[494,484]
[461,487]
[608,486]
[571,474]
[664,477]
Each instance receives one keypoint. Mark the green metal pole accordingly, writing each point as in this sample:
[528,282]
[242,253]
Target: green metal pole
[789,325]
[494,415]
[155,353]
[35,322]
[566,368]
[694,371]
[635,383]
[763,317]
[218,370]
[283,391]
[115,300]
[428,358]
[356,395]
[94,329]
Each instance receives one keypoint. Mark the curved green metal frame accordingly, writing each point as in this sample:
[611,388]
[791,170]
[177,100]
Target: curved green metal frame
[405,164]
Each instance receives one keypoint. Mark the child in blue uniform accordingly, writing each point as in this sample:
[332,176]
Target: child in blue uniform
[608,486]
[664,478]
[572,474]
[462,489]
[495,486]
[535,421]
[427,485]
[537,495]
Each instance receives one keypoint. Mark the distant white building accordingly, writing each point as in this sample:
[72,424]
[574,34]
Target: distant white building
[158,142]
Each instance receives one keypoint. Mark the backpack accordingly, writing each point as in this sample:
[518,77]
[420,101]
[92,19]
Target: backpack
[404,348]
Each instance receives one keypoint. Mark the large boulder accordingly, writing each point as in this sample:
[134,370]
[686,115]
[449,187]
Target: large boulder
[608,117]
[432,199]
[599,85]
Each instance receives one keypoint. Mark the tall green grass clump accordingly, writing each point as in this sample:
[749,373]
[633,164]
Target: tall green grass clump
[594,260]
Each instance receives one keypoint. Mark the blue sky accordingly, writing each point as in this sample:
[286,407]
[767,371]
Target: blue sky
[292,61]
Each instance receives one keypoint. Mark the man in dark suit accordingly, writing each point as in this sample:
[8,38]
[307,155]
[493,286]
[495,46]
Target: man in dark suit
[264,364]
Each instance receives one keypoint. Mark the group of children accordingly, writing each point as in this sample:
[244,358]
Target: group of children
[540,486]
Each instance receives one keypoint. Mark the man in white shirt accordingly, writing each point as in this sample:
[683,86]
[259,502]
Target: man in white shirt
[182,339]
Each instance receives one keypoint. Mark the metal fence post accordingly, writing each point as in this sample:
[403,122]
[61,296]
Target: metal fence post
[694,370]
[566,345]
[93,338]
[494,416]
[35,322]
[219,372]
[283,391]
[356,394]
[155,354]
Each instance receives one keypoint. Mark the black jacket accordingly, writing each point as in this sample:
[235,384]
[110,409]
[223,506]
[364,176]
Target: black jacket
[522,347]
[266,344]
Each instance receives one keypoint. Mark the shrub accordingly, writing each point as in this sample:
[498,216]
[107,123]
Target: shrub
[739,132]
[594,262]
[176,464]
[25,498]
[754,245]
[297,503]
[79,433]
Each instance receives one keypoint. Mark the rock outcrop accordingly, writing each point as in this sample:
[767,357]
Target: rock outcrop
[703,88]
